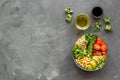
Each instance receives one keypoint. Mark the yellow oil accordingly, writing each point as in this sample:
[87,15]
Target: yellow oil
[82,21]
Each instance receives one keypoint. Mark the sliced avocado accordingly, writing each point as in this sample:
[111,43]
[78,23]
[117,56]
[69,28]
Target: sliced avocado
[100,65]
[96,58]
[89,67]
[102,58]
[93,63]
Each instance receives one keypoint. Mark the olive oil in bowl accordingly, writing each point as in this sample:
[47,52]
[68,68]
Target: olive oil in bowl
[82,22]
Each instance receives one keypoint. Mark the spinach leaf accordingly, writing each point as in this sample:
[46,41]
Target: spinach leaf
[78,52]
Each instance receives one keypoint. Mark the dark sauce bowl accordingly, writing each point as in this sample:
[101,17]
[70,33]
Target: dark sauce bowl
[97,12]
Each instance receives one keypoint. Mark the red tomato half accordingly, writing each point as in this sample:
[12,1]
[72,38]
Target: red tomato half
[104,47]
[96,46]
[98,53]
[104,53]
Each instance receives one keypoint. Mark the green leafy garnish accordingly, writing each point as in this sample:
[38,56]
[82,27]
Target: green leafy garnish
[78,52]
[108,28]
[69,18]
[107,20]
[97,26]
[100,65]
[68,11]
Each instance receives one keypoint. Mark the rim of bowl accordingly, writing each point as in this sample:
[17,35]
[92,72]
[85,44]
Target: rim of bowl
[87,69]
[88,19]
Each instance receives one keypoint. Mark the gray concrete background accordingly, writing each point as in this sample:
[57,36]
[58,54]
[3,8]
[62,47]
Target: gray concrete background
[36,42]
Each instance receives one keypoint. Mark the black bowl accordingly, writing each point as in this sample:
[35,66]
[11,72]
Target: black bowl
[97,12]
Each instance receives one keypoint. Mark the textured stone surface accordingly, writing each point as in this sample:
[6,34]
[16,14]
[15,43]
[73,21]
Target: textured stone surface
[36,42]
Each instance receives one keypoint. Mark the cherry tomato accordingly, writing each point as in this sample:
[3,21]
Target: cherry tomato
[94,50]
[103,47]
[96,46]
[98,53]
[99,41]
[104,53]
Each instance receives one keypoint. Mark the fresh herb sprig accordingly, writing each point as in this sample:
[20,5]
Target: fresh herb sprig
[107,20]
[97,26]
[108,28]
[69,11]
[68,18]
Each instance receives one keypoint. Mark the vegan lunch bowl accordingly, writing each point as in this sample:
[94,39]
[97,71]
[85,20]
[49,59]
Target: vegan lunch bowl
[90,52]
